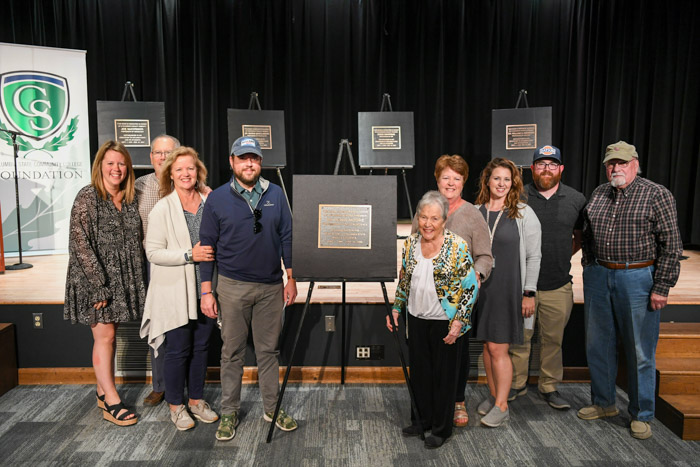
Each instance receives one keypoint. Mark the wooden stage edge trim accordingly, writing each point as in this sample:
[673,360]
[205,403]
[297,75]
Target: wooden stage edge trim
[305,374]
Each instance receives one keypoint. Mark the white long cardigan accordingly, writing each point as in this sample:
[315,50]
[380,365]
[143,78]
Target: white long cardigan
[171,300]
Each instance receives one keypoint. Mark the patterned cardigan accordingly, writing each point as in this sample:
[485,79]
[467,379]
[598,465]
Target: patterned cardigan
[455,278]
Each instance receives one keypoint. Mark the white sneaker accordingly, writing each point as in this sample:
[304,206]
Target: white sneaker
[181,418]
[203,412]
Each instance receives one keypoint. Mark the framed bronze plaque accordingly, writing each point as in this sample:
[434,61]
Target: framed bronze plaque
[516,133]
[267,126]
[133,132]
[385,140]
[133,124]
[345,226]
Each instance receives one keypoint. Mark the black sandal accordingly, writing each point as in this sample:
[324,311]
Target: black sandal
[100,401]
[111,411]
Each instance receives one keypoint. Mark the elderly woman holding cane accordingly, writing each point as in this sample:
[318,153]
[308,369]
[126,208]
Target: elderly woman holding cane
[438,288]
[173,305]
[105,280]
[465,220]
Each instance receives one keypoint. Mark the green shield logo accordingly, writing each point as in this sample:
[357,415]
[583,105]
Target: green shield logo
[34,102]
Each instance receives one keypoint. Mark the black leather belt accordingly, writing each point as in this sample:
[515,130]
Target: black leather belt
[643,264]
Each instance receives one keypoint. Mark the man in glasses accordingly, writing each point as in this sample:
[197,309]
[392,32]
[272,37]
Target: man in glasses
[248,223]
[148,194]
[559,209]
[631,258]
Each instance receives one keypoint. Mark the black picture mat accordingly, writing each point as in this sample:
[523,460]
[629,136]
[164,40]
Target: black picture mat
[500,118]
[386,158]
[311,263]
[154,112]
[272,158]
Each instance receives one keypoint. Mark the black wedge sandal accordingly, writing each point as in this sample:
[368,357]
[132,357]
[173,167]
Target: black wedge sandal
[111,411]
[100,401]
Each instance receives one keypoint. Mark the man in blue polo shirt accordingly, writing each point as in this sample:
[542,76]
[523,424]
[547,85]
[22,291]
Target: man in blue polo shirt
[559,209]
[248,223]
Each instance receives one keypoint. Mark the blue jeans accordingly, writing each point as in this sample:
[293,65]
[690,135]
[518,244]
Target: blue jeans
[616,304]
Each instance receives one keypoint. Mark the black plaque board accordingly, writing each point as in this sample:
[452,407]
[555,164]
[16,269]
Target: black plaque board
[134,124]
[267,126]
[386,139]
[516,133]
[321,259]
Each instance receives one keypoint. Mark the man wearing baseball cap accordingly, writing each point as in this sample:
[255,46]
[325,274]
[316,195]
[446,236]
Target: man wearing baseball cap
[559,209]
[631,258]
[248,223]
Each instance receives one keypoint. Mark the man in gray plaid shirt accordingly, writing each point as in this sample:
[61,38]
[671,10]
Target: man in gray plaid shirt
[631,258]
[147,191]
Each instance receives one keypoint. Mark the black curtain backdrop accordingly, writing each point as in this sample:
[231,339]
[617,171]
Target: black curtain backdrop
[611,70]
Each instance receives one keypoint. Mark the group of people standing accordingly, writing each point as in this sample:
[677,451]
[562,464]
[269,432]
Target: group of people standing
[490,270]
[157,249]
[146,249]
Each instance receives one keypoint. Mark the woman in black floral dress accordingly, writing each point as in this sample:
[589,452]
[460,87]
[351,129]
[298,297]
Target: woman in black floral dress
[105,281]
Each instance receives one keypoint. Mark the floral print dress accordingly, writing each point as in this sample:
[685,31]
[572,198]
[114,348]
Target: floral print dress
[105,261]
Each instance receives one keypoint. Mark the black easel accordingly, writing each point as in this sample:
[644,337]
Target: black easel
[129,87]
[395,332]
[254,104]
[522,96]
[386,107]
[344,144]
[15,150]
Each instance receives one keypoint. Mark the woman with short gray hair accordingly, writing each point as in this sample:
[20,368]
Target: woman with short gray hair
[438,288]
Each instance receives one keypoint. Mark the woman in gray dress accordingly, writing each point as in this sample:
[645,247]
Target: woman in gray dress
[105,280]
[509,294]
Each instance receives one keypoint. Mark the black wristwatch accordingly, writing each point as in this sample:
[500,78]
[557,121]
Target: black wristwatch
[529,293]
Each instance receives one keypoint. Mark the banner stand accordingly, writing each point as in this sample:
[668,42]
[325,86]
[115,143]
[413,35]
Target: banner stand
[13,134]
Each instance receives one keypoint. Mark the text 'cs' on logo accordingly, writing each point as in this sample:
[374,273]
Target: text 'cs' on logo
[34,102]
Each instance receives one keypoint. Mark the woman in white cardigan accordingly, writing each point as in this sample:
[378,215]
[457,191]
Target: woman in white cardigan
[172,310]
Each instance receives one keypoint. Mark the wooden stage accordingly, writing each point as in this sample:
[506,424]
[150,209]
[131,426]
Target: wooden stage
[45,282]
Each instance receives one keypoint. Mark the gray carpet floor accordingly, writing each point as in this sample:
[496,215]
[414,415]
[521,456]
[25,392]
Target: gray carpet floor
[355,425]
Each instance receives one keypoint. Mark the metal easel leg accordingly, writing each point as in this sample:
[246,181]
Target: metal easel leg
[289,364]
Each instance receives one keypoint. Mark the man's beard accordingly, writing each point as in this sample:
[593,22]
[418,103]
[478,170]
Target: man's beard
[248,180]
[546,180]
[617,179]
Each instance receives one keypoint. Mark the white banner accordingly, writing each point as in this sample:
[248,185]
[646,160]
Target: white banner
[43,94]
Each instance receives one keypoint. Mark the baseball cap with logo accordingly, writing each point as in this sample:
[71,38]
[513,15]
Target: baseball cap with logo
[246,145]
[547,152]
[620,150]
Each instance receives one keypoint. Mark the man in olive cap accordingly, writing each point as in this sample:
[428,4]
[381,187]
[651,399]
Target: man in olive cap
[631,258]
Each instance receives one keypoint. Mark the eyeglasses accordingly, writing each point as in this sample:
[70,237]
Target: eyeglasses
[547,165]
[161,153]
[257,228]
[620,164]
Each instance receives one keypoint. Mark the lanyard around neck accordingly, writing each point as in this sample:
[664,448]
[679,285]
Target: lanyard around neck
[492,232]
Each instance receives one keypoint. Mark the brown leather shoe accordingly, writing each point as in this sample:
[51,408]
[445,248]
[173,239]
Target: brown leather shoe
[154,398]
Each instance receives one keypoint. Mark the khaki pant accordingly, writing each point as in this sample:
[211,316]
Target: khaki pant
[244,305]
[552,310]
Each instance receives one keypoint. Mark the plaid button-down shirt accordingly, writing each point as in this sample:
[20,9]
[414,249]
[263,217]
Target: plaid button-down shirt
[147,195]
[635,224]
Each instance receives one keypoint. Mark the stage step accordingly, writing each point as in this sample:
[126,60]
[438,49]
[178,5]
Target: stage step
[681,414]
[678,378]
[678,340]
